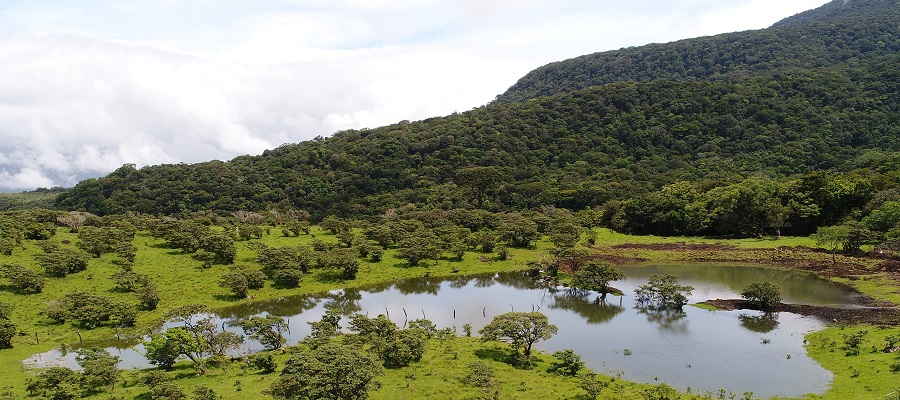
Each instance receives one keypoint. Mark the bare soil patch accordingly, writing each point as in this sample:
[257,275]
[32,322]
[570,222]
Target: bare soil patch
[865,314]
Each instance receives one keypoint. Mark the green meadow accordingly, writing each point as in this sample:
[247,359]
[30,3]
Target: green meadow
[181,280]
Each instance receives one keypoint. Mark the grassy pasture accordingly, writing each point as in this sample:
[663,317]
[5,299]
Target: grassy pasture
[180,280]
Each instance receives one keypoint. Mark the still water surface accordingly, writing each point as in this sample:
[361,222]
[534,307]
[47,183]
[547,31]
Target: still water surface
[698,349]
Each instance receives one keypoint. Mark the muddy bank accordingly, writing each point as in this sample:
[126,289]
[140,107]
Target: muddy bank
[865,314]
[803,258]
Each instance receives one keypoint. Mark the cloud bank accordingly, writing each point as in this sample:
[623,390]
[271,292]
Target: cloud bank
[86,90]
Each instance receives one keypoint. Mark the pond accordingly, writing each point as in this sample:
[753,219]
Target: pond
[738,351]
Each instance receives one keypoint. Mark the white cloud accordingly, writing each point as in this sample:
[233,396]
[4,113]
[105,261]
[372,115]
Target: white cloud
[97,90]
[24,179]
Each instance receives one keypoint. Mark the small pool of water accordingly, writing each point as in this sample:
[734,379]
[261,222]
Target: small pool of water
[738,351]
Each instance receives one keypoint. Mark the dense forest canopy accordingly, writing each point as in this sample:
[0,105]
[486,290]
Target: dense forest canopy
[785,119]
[839,33]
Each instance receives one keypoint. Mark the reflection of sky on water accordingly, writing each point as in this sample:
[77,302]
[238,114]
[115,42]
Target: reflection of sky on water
[695,348]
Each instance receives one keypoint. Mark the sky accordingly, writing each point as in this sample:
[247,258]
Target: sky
[88,86]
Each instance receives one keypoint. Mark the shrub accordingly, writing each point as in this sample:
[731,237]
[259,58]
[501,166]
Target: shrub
[264,361]
[853,341]
[566,363]
[762,294]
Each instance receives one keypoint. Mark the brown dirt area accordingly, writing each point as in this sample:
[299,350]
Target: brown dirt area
[867,315]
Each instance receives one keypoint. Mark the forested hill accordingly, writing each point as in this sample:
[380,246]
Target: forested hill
[841,32]
[572,150]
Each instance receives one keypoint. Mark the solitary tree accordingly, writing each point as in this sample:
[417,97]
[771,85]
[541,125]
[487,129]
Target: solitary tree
[8,331]
[24,279]
[596,276]
[663,291]
[520,329]
[331,372]
[240,279]
[762,294]
[832,237]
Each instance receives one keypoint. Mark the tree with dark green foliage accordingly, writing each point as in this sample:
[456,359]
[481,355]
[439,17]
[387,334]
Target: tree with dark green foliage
[240,279]
[88,310]
[163,348]
[166,391]
[204,393]
[335,225]
[858,235]
[23,279]
[129,281]
[99,369]
[343,260]
[662,292]
[324,329]
[478,180]
[832,237]
[762,294]
[221,246]
[61,262]
[296,227]
[520,329]
[8,331]
[406,346]
[566,363]
[56,383]
[264,361]
[268,330]
[5,310]
[148,296]
[372,330]
[101,240]
[195,339]
[517,230]
[593,384]
[39,231]
[331,372]
[596,276]
[420,246]
[884,218]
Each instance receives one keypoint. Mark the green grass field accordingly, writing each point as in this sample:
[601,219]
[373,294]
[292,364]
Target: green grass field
[181,280]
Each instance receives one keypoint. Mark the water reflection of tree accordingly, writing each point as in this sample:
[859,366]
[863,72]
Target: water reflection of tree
[518,280]
[483,281]
[765,322]
[460,282]
[422,285]
[285,306]
[345,301]
[594,312]
[669,319]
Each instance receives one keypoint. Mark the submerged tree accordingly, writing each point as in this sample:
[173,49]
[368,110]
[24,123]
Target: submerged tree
[762,294]
[596,276]
[663,291]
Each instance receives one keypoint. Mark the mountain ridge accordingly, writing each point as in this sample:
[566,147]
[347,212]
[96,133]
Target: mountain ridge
[573,149]
[829,35]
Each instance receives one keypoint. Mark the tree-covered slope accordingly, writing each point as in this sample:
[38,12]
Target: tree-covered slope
[838,33]
[572,150]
